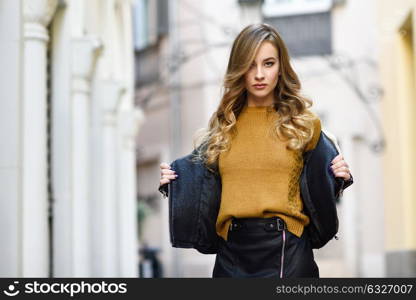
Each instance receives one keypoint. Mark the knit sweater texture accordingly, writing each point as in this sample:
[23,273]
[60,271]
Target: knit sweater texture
[260,177]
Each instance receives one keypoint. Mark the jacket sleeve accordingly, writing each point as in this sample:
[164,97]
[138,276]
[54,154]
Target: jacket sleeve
[348,182]
[164,190]
[345,183]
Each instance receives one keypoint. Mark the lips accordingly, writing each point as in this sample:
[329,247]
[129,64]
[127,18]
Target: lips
[259,86]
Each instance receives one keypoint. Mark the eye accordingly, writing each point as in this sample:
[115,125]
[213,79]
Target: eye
[269,63]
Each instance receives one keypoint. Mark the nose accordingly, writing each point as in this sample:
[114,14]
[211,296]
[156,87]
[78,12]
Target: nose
[259,73]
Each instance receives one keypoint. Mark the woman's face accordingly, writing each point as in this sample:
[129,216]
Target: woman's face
[262,77]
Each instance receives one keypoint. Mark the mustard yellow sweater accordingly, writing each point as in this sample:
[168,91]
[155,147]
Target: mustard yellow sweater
[260,177]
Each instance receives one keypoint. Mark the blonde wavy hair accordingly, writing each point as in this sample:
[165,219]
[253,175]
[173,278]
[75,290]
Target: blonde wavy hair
[295,122]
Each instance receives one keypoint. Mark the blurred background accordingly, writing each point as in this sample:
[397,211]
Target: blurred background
[95,94]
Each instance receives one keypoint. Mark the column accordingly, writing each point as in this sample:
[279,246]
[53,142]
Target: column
[84,54]
[106,214]
[130,122]
[35,249]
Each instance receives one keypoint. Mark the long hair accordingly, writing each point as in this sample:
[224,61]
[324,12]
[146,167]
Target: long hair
[295,122]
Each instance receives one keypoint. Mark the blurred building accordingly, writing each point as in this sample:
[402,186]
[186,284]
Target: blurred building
[397,61]
[68,127]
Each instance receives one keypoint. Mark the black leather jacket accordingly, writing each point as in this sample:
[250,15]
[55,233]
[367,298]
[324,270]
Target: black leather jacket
[194,199]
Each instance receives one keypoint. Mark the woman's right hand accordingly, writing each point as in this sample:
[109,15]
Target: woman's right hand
[166,174]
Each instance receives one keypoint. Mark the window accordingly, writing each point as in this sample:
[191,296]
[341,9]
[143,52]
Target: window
[308,34]
[150,20]
[150,25]
[305,25]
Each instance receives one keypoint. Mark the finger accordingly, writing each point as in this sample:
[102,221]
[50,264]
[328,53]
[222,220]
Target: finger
[164,181]
[169,176]
[344,175]
[341,169]
[340,174]
[344,169]
[164,165]
[340,163]
[167,172]
[337,158]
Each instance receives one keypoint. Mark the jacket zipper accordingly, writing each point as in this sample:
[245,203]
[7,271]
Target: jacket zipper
[282,260]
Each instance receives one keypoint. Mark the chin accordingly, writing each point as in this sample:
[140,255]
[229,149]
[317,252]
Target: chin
[260,94]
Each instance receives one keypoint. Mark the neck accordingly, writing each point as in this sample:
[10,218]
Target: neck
[256,101]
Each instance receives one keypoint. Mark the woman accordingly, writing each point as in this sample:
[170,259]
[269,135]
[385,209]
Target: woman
[257,137]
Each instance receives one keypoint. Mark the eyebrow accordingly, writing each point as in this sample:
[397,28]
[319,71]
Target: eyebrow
[271,57]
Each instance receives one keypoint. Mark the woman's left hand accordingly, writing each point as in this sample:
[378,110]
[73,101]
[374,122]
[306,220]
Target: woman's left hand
[340,167]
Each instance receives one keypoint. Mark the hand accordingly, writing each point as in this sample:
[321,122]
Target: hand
[340,167]
[166,174]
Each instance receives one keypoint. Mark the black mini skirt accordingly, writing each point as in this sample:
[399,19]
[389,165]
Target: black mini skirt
[263,247]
